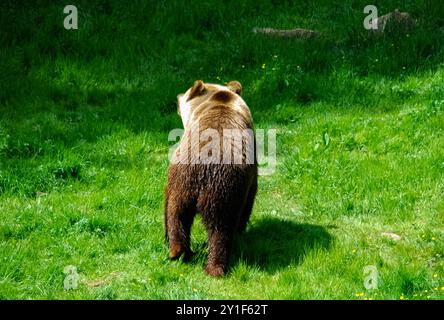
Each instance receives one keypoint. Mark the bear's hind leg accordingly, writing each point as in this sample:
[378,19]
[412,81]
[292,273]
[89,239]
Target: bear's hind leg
[248,207]
[178,220]
[219,242]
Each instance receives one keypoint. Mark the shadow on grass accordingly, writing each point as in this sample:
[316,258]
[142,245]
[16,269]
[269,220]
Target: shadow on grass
[273,244]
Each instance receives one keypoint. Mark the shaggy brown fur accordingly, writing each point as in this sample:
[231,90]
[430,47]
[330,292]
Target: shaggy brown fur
[222,193]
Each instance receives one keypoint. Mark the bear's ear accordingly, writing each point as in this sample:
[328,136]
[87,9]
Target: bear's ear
[196,90]
[235,86]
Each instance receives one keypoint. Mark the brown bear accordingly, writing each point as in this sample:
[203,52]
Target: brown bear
[220,181]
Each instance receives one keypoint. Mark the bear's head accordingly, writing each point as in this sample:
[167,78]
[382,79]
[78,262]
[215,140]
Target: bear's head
[201,92]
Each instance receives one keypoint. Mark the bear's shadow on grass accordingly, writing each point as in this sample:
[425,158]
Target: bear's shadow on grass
[272,244]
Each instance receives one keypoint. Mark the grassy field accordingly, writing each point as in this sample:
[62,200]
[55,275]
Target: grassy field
[84,120]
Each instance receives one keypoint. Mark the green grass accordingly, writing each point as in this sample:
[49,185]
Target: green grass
[84,121]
